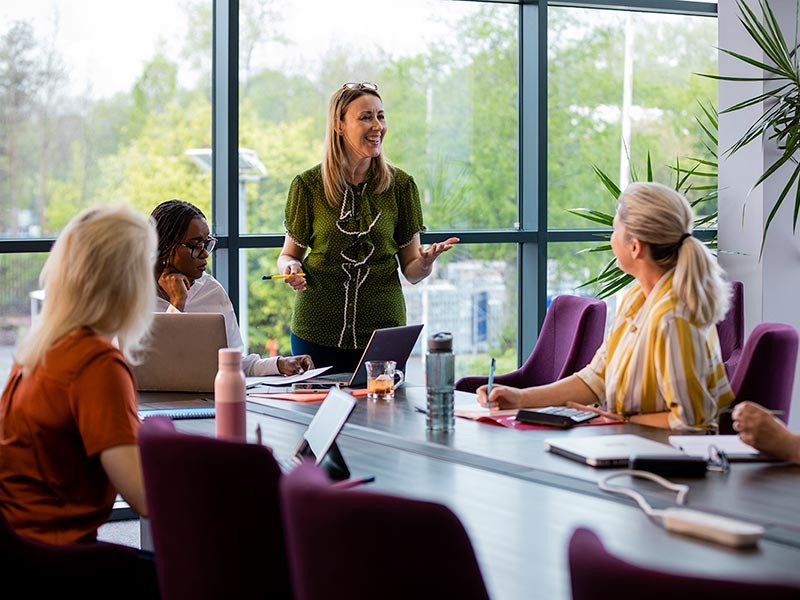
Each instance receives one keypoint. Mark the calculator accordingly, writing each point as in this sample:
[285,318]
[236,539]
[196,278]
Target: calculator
[555,416]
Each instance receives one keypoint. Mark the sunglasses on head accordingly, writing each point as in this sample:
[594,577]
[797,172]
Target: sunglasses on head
[364,85]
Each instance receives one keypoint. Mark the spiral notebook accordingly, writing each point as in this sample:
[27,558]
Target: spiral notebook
[176,414]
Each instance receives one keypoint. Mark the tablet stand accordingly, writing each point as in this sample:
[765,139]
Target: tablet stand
[333,463]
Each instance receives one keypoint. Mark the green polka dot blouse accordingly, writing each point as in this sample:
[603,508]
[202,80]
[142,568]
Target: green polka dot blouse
[351,266]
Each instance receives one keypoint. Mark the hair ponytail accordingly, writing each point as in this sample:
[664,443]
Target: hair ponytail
[662,218]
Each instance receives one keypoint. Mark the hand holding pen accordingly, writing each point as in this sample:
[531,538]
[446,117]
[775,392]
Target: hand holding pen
[491,381]
[293,274]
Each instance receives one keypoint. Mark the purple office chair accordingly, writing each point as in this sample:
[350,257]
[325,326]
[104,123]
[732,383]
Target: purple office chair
[358,545]
[765,373]
[33,569]
[572,331]
[597,574]
[731,330]
[214,515]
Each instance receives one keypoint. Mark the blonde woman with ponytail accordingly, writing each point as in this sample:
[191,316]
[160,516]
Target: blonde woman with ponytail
[661,363]
[68,419]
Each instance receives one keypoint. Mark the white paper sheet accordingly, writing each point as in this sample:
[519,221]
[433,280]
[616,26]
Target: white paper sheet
[283,380]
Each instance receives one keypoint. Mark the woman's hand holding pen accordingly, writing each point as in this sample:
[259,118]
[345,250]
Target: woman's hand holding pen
[500,398]
[296,279]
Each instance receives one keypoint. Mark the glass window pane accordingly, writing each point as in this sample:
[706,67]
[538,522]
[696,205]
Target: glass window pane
[19,279]
[610,70]
[448,75]
[101,101]
[570,266]
[471,293]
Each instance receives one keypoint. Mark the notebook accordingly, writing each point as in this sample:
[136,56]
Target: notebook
[319,440]
[731,445]
[179,413]
[182,355]
[607,450]
[392,343]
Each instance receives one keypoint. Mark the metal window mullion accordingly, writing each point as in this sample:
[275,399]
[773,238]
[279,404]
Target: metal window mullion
[225,144]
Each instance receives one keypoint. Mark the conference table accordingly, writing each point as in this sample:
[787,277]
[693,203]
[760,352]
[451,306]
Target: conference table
[520,503]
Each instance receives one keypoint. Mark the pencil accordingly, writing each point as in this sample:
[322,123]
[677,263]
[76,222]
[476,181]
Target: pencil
[281,276]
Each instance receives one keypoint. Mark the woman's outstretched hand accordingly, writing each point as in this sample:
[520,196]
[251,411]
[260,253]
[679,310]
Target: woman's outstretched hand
[428,255]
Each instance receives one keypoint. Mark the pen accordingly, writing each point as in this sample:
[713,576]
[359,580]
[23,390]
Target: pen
[350,483]
[258,434]
[419,409]
[282,276]
[772,411]
[491,381]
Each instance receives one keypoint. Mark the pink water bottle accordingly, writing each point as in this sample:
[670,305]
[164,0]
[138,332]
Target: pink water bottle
[229,397]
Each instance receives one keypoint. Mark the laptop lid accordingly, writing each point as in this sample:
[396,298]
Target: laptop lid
[391,343]
[182,353]
[607,450]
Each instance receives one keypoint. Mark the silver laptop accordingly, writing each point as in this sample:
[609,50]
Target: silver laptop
[391,343]
[607,450]
[182,354]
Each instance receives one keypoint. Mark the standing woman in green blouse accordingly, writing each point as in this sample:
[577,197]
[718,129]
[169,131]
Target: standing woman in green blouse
[349,221]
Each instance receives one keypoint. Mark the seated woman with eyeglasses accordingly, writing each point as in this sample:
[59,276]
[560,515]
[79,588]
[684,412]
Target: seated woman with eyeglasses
[184,244]
[661,363]
[349,221]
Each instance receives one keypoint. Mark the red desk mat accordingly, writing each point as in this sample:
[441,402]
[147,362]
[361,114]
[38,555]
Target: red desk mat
[302,396]
[511,422]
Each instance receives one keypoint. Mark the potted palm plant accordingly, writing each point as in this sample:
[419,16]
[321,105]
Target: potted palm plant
[780,120]
[698,182]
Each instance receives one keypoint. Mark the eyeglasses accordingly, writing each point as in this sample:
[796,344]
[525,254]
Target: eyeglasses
[207,244]
[364,85]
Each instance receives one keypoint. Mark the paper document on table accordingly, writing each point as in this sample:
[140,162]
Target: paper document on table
[699,445]
[283,380]
[476,411]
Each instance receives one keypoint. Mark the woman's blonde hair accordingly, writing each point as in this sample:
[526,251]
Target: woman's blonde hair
[662,218]
[99,274]
[334,178]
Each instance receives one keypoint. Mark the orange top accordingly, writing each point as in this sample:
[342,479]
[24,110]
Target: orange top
[79,401]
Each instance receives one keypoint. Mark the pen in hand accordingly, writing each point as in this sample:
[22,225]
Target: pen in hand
[491,382]
[282,276]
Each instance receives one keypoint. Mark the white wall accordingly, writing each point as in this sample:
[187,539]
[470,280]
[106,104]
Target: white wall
[771,283]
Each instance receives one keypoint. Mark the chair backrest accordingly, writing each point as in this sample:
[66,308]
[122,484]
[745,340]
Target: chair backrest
[34,569]
[214,515]
[595,573]
[765,373]
[573,330]
[731,329]
[360,545]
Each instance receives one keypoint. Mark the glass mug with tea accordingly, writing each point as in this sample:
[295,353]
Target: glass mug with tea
[382,379]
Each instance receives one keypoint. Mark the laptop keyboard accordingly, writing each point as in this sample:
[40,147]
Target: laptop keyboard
[334,378]
[556,416]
